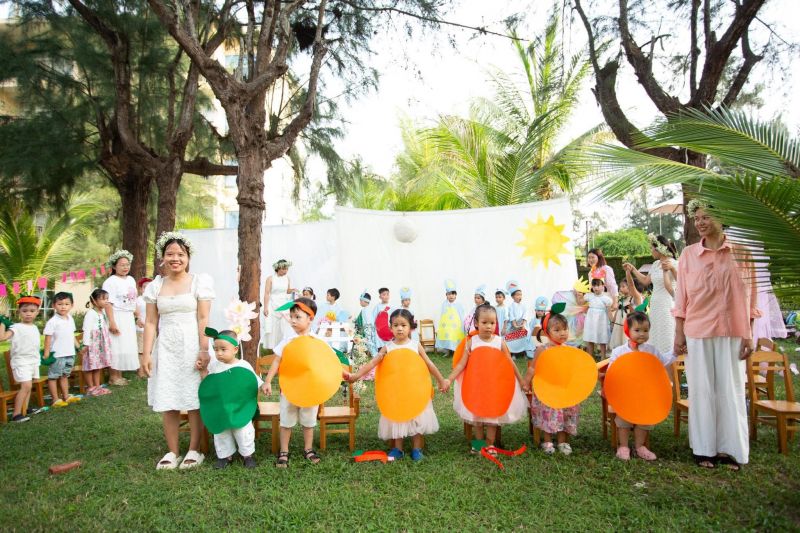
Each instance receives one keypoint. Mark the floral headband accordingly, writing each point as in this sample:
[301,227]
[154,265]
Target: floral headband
[660,247]
[695,204]
[214,334]
[119,254]
[167,236]
[281,263]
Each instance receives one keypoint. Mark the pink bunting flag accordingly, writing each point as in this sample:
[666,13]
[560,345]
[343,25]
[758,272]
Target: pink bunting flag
[94,272]
[30,286]
[81,275]
[3,290]
[72,276]
[42,282]
[103,270]
[15,287]
[63,277]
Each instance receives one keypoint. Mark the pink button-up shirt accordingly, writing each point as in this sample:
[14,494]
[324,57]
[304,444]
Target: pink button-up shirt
[716,292]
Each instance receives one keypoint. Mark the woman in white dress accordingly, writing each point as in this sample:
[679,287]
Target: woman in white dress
[664,277]
[277,291]
[121,290]
[178,305]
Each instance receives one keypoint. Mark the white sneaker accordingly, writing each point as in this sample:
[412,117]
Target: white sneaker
[547,447]
[565,448]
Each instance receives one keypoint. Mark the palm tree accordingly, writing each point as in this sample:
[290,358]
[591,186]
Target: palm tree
[751,183]
[28,252]
[503,152]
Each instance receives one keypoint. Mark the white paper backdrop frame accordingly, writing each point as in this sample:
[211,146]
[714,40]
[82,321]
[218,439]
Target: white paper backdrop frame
[364,249]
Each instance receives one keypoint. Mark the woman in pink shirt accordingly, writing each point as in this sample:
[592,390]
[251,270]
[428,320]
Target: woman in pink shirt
[714,310]
[600,269]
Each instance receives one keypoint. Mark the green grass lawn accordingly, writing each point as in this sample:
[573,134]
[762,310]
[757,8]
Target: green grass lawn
[119,440]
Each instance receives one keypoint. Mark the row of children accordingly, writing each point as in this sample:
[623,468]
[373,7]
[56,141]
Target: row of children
[554,423]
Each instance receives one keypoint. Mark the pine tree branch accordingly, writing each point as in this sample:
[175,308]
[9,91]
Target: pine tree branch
[750,60]
[201,166]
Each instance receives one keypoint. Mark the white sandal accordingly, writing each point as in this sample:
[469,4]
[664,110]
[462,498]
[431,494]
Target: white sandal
[169,462]
[194,456]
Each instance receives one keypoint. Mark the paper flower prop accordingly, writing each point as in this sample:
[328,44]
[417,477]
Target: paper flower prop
[228,400]
[167,236]
[489,382]
[638,388]
[116,256]
[402,385]
[582,286]
[239,314]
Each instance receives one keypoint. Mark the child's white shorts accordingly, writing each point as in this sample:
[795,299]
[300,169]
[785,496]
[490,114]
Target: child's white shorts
[290,414]
[25,370]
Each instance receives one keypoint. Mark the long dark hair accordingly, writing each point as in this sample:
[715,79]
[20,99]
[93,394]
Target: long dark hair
[96,295]
[601,259]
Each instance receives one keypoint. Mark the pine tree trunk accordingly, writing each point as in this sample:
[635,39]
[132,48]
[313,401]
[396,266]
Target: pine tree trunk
[134,192]
[251,216]
[168,181]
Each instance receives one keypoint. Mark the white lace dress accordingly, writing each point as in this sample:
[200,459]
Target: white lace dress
[662,323]
[276,325]
[174,379]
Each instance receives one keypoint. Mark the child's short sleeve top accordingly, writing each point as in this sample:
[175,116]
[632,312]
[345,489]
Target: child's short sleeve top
[598,302]
[63,332]
[665,358]
[215,366]
[25,342]
[121,292]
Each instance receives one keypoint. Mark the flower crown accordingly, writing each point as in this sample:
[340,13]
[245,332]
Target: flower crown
[167,236]
[660,247]
[116,256]
[282,263]
[695,204]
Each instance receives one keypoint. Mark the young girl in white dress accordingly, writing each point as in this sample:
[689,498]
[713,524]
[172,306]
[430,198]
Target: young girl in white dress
[121,313]
[402,324]
[598,317]
[178,306]
[485,323]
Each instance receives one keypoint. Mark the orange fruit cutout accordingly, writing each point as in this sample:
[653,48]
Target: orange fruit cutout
[489,382]
[564,376]
[309,372]
[402,385]
[638,388]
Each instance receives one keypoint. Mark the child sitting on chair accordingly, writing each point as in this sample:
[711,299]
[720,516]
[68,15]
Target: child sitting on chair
[25,358]
[638,332]
[301,316]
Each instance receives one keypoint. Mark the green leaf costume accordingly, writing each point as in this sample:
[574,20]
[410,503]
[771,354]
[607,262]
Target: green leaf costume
[228,400]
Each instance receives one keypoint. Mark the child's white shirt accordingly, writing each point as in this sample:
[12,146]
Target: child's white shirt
[25,343]
[62,330]
[278,350]
[598,301]
[215,366]
[141,308]
[665,358]
[92,321]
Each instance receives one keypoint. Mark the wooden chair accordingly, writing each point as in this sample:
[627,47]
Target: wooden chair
[5,398]
[344,415]
[427,334]
[765,384]
[783,414]
[76,377]
[38,384]
[680,404]
[268,416]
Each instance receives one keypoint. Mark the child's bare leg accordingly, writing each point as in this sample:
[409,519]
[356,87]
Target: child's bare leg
[52,386]
[63,384]
[547,437]
[602,351]
[590,348]
[491,433]
[478,431]
[21,401]
[396,443]
[308,438]
[562,437]
[623,434]
[286,434]
[416,441]
[171,421]
[639,436]
[90,379]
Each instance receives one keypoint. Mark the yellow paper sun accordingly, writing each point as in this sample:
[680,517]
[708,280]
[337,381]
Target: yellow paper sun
[543,241]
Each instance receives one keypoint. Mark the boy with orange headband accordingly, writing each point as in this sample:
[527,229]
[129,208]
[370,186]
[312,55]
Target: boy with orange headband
[25,358]
[301,317]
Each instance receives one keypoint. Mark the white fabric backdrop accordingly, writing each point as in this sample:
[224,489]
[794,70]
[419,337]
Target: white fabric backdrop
[360,250]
